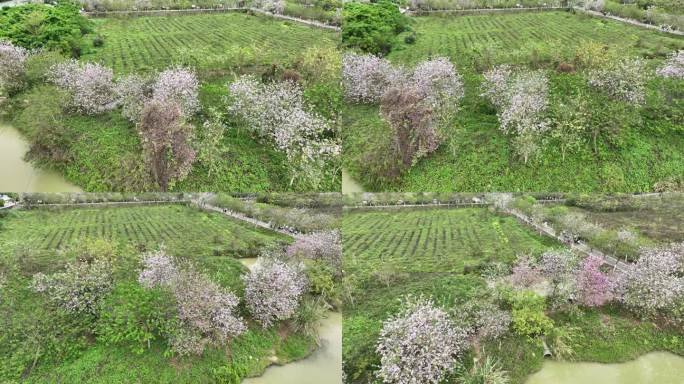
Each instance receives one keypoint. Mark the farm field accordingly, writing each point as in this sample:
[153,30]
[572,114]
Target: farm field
[433,240]
[129,335]
[453,259]
[183,230]
[643,149]
[218,42]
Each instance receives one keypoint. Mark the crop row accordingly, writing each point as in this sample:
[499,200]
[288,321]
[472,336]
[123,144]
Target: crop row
[467,37]
[132,44]
[435,240]
[184,227]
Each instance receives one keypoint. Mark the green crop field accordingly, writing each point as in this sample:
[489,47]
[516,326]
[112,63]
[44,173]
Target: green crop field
[435,240]
[509,38]
[223,40]
[641,148]
[186,231]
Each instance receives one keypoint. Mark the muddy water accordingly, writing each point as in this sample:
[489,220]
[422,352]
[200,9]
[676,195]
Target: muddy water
[324,366]
[349,185]
[16,175]
[652,368]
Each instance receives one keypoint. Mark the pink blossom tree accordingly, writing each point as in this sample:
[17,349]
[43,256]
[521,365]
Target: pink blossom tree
[366,78]
[181,86]
[595,288]
[13,64]
[273,290]
[90,85]
[325,246]
[420,344]
[206,311]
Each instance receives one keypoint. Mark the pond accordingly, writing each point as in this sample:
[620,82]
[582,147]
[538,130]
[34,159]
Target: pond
[652,368]
[322,366]
[349,185]
[17,175]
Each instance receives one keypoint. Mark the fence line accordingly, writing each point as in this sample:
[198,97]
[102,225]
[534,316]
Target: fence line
[161,12]
[239,216]
[109,203]
[629,21]
[485,10]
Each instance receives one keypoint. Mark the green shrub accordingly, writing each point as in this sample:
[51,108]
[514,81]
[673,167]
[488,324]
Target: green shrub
[134,316]
[43,122]
[528,315]
[372,27]
[32,26]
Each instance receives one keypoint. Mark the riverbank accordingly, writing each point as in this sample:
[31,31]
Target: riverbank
[18,175]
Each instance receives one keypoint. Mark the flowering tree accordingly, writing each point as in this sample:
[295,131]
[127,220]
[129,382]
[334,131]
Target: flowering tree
[166,142]
[132,92]
[558,268]
[413,123]
[159,270]
[655,282]
[441,84]
[595,287]
[80,287]
[367,77]
[325,246]
[624,80]
[277,111]
[524,273]
[484,319]
[91,85]
[205,309]
[273,290]
[13,64]
[521,98]
[420,344]
[674,66]
[179,85]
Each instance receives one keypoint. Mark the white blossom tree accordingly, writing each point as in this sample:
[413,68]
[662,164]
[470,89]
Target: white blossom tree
[13,65]
[419,345]
[655,282]
[273,290]
[674,66]
[521,98]
[90,85]
[624,80]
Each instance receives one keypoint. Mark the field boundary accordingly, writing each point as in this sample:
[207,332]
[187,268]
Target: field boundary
[239,216]
[443,205]
[485,10]
[105,203]
[629,21]
[166,12]
[543,229]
